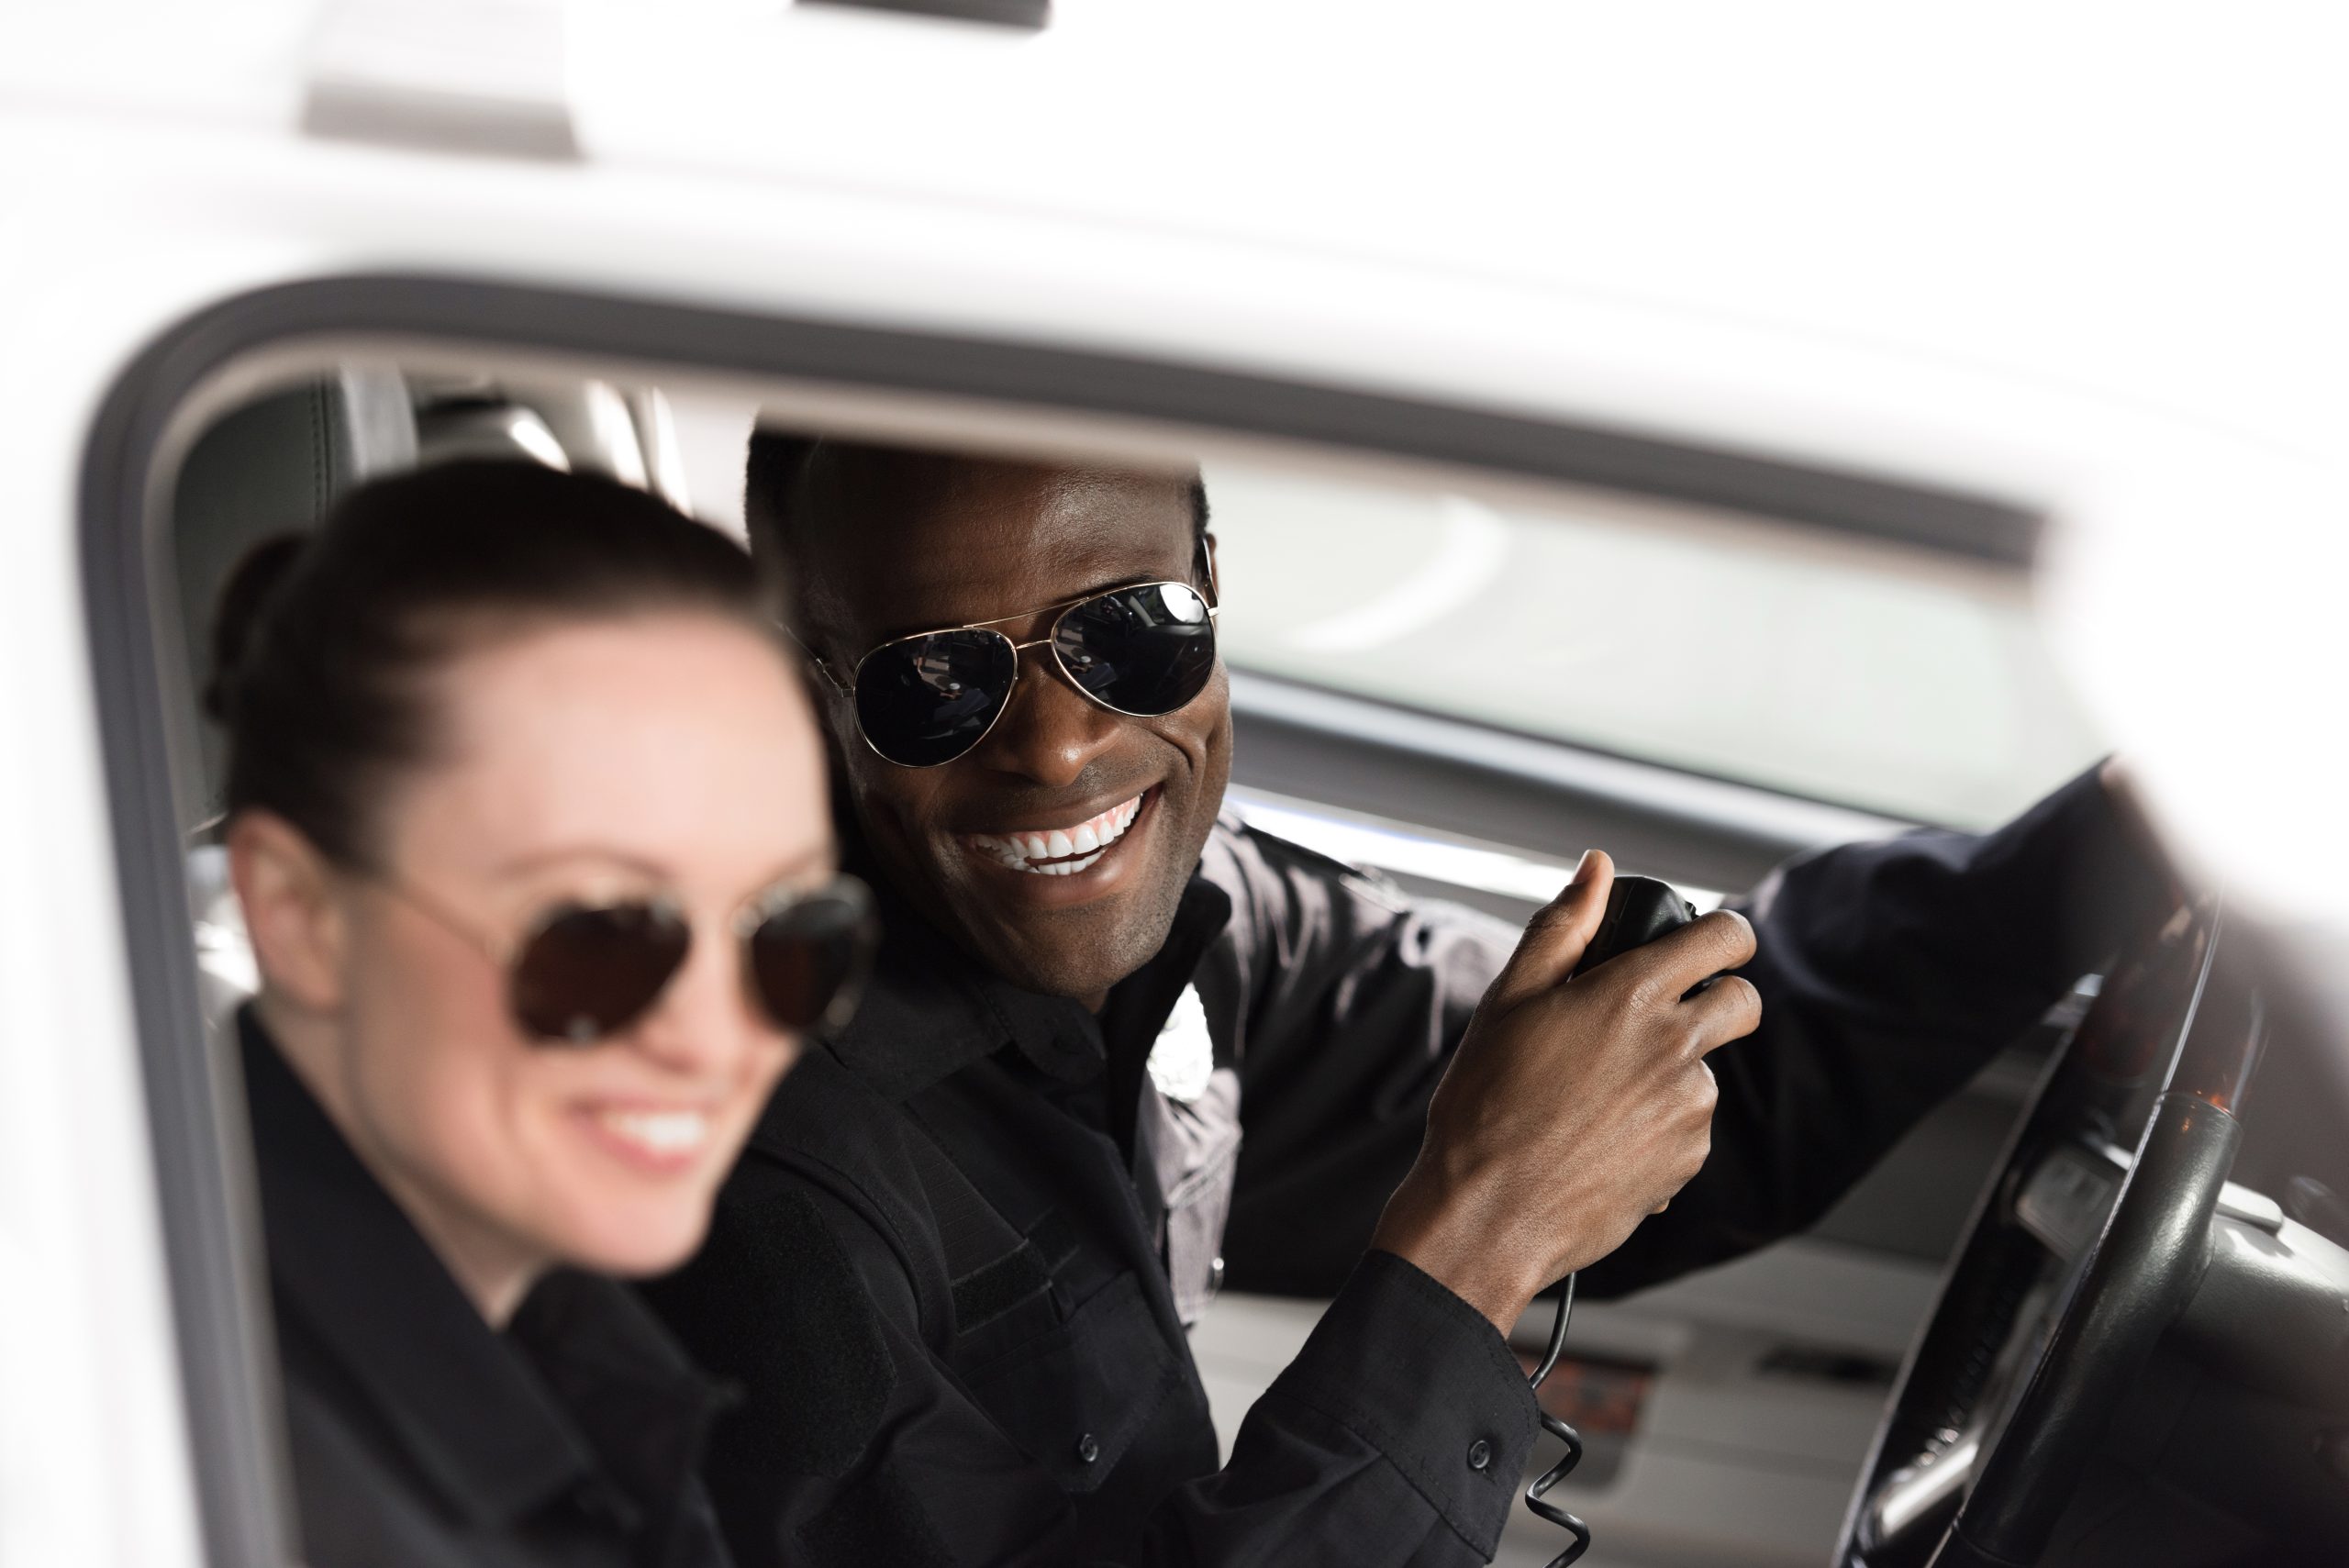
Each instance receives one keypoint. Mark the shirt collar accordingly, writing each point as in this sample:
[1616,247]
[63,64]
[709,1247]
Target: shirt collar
[1140,1006]
[931,1009]
[482,1416]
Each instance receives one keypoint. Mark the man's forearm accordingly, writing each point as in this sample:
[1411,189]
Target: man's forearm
[1395,1438]
[1890,974]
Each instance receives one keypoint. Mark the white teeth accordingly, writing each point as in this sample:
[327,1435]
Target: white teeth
[1087,838]
[658,1132]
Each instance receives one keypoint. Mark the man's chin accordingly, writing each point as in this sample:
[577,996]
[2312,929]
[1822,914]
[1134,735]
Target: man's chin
[1068,926]
[1079,954]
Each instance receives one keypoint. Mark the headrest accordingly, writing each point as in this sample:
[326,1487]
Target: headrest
[271,467]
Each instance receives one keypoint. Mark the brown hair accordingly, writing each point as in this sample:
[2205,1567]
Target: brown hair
[323,643]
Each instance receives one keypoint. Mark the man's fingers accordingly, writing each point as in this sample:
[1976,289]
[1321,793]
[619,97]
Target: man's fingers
[1725,939]
[1555,936]
[1703,948]
[1730,1009]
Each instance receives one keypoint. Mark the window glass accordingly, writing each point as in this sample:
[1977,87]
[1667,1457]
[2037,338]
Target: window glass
[1870,674]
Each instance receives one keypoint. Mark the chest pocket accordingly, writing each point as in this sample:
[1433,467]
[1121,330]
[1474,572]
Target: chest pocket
[1075,1396]
[1072,1383]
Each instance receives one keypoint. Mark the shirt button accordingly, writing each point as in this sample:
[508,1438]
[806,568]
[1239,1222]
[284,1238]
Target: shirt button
[1088,1448]
[1480,1454]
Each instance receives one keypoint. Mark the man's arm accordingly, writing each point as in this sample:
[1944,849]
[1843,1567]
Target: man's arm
[1890,972]
[1350,999]
[923,1396]
[1394,1439]
[1397,1435]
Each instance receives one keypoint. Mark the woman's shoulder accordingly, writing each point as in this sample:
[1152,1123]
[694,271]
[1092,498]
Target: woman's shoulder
[361,1499]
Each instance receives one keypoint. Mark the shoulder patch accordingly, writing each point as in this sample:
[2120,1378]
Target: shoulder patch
[773,1304]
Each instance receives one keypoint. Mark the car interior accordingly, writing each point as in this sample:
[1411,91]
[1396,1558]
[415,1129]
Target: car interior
[1463,647]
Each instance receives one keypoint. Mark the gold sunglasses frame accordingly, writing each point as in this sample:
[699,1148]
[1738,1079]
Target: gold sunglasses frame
[741,924]
[1049,639]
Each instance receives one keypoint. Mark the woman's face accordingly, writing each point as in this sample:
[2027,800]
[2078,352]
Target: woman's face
[667,755]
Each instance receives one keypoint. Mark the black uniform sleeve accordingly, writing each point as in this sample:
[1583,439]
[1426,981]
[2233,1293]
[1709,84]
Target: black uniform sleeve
[1890,973]
[1396,1436]
[1351,997]
[823,1465]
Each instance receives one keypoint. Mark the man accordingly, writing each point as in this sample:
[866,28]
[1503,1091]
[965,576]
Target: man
[1120,1046]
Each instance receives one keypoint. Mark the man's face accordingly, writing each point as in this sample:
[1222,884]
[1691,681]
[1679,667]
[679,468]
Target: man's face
[972,542]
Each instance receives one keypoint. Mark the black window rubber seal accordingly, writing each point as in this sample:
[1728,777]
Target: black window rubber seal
[210,1242]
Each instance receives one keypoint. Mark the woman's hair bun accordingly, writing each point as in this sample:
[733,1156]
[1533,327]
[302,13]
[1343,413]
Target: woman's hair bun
[237,623]
[325,640]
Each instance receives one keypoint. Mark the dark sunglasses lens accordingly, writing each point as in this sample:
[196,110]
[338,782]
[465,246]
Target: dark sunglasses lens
[808,959]
[586,974]
[928,699]
[1146,650]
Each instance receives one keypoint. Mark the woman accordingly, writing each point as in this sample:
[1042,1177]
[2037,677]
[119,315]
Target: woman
[527,817]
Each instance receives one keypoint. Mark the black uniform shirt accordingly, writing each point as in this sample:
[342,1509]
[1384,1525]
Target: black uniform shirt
[419,1434]
[953,1269]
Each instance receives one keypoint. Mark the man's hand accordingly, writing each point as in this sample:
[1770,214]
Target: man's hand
[1573,1109]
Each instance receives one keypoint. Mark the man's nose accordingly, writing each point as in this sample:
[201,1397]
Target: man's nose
[1051,733]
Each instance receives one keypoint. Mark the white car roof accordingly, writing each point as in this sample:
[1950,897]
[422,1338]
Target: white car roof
[2114,200]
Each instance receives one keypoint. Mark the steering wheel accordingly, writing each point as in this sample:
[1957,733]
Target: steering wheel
[2077,1257]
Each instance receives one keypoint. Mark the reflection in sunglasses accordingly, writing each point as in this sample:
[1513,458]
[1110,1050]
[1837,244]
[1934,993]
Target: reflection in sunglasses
[1143,650]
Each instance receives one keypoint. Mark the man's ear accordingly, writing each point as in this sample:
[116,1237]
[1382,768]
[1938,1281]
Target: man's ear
[826,681]
[293,913]
[831,707]
[1215,587]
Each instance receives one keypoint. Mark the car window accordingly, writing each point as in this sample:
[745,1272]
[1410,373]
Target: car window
[1702,641]
[1868,673]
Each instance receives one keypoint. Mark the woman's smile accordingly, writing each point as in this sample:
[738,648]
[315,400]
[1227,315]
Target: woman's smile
[656,1140]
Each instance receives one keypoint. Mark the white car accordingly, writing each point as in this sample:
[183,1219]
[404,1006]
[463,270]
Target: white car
[1885,378]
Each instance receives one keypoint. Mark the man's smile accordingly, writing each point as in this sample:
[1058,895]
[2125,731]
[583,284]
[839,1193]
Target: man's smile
[1059,852]
[1088,853]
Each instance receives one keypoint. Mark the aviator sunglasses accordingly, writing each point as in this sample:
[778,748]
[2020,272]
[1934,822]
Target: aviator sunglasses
[583,972]
[1144,650]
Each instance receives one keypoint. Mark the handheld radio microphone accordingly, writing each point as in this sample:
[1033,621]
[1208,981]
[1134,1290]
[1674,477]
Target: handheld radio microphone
[1639,910]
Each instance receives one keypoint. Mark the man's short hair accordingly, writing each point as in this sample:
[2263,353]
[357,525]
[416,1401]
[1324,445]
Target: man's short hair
[774,488]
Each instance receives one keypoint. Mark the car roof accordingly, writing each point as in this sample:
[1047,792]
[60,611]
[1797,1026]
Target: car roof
[2047,196]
